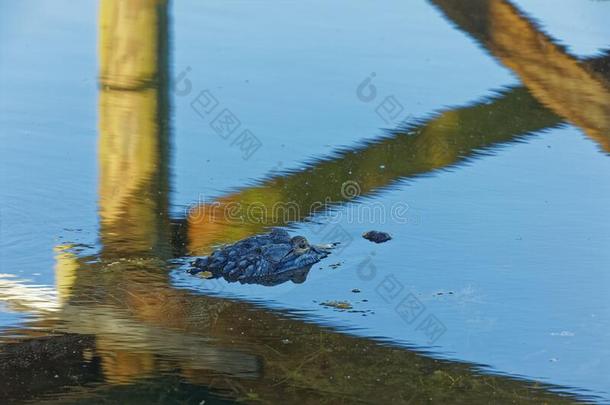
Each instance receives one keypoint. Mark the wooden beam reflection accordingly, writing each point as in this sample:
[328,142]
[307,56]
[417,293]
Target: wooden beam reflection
[574,89]
[133,128]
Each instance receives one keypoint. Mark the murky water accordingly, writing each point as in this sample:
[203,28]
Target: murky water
[138,134]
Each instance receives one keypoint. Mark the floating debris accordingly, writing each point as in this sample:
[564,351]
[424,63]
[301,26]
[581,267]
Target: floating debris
[343,305]
[355,290]
[377,236]
[334,265]
[206,274]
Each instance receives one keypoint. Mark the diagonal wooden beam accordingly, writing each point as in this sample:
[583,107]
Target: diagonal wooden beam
[440,142]
[576,90]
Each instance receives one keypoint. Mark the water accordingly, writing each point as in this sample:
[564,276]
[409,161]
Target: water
[460,129]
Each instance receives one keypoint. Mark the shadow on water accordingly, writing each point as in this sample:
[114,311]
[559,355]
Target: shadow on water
[121,332]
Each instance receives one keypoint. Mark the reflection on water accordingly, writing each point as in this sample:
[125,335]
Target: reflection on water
[115,328]
[134,128]
[127,326]
[578,91]
[558,88]
[449,138]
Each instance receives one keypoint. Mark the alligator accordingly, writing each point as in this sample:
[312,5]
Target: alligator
[269,259]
